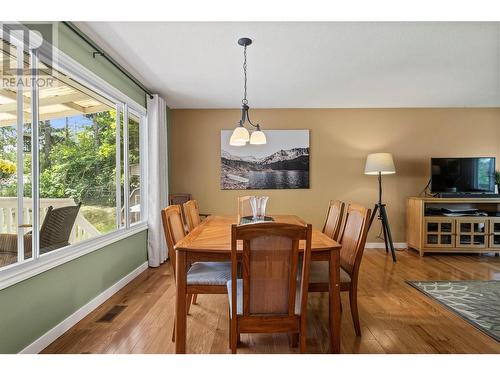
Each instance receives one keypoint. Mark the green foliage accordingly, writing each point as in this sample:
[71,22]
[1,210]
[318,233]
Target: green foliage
[78,164]
[83,167]
[497,177]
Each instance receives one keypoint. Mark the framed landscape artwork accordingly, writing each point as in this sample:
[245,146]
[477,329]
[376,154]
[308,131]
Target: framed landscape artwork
[282,163]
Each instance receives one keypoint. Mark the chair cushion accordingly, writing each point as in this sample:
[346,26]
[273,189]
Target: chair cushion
[209,273]
[318,273]
[239,297]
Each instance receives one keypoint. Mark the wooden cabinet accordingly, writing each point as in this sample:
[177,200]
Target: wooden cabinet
[472,232]
[439,232]
[429,232]
[494,237]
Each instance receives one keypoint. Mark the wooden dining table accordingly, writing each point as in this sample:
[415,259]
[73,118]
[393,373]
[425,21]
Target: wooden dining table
[211,241]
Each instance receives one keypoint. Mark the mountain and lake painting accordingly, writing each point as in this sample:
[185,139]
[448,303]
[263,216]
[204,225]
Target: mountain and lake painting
[282,163]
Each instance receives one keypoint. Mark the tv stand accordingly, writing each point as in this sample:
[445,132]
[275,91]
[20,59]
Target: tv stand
[468,195]
[429,231]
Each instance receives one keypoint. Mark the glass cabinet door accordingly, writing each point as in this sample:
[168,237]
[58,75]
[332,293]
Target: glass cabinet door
[472,232]
[439,232]
[495,233]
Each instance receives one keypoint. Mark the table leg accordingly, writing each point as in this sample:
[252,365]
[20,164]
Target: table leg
[180,303]
[334,301]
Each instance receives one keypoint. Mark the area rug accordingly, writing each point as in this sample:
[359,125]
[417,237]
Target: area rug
[478,302]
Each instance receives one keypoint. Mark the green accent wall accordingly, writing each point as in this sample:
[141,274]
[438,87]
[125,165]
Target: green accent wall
[32,307]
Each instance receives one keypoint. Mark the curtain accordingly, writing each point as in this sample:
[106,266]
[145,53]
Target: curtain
[157,178]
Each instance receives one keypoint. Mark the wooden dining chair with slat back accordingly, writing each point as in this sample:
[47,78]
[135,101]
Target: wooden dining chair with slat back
[180,199]
[270,298]
[244,207]
[205,277]
[334,219]
[353,240]
[192,214]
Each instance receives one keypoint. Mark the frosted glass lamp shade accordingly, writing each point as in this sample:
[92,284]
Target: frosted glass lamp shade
[239,137]
[258,138]
[379,163]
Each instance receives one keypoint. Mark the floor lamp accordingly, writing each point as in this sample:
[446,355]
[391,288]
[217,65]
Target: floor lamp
[379,164]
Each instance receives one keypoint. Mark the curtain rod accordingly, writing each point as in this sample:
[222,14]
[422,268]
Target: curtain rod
[99,51]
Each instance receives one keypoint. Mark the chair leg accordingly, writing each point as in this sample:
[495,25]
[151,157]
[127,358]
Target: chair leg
[353,299]
[173,332]
[229,338]
[195,298]
[234,336]
[302,341]
[188,303]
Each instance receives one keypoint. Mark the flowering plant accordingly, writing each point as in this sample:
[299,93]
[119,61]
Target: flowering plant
[7,169]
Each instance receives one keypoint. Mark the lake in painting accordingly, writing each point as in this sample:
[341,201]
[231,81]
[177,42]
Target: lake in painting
[278,180]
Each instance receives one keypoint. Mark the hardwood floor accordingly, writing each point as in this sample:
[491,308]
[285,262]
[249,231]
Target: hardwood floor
[395,318]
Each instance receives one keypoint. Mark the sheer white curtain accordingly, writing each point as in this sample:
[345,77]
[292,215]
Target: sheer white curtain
[157,179]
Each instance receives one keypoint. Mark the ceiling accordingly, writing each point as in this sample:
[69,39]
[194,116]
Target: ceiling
[309,64]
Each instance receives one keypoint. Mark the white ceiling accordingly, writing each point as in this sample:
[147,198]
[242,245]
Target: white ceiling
[310,65]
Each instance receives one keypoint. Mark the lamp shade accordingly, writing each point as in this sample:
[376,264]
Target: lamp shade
[239,137]
[379,163]
[258,138]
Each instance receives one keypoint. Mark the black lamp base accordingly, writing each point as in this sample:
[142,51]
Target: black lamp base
[386,229]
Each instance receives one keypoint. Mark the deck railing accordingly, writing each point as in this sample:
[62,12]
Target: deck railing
[82,229]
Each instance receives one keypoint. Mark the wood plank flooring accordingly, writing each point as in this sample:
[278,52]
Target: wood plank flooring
[395,318]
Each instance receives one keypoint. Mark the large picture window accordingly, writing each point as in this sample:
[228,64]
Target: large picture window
[72,176]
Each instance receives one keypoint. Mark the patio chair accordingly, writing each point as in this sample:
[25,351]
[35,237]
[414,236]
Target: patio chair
[54,232]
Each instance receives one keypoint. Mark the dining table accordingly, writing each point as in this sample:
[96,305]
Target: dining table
[211,241]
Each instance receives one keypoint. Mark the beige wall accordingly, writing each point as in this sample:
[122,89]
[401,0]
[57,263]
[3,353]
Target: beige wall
[340,140]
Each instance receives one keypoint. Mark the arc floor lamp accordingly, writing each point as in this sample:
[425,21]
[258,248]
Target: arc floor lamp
[381,164]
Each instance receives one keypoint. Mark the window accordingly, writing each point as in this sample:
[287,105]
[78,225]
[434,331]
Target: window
[76,175]
[134,166]
[77,159]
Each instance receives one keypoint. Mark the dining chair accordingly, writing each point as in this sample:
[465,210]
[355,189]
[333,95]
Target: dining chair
[353,240]
[180,199]
[191,214]
[244,207]
[334,219]
[270,297]
[203,277]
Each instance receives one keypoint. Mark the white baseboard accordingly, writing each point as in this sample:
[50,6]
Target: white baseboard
[50,336]
[381,245]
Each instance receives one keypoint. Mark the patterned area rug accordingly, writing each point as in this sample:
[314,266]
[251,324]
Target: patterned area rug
[478,302]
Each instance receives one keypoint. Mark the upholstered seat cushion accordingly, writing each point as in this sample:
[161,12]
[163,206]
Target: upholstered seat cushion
[209,273]
[318,273]
[239,297]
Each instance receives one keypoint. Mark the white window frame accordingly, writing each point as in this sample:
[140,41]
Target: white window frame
[24,269]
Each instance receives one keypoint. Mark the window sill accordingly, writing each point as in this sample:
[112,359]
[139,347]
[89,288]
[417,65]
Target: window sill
[18,272]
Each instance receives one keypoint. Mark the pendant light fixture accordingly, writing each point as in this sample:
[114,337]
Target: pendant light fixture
[241,135]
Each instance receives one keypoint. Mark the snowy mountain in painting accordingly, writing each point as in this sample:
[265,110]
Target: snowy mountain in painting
[279,156]
[284,155]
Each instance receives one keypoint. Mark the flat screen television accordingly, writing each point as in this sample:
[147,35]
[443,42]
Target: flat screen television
[463,175]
